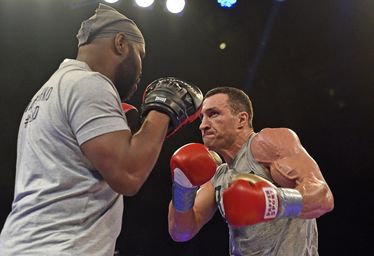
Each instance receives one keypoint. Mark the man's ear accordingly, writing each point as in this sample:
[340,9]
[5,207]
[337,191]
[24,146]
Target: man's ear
[121,46]
[243,119]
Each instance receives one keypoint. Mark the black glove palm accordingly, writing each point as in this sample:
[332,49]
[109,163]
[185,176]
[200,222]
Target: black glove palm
[178,99]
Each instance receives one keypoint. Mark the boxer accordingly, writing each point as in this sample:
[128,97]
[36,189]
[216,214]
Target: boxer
[269,189]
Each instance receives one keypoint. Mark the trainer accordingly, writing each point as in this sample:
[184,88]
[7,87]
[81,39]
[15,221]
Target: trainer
[76,154]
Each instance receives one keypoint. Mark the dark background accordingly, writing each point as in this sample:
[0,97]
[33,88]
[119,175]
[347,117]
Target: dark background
[307,65]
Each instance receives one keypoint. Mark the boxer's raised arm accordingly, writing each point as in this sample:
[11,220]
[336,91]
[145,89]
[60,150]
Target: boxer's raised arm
[191,166]
[291,166]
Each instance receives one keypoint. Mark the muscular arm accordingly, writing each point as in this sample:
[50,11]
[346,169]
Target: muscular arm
[291,166]
[124,160]
[185,225]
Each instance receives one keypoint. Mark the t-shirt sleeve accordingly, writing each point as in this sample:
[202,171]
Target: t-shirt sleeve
[93,108]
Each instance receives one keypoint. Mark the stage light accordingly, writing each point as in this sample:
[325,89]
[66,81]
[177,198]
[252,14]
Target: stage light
[111,1]
[226,3]
[144,3]
[175,6]
[222,46]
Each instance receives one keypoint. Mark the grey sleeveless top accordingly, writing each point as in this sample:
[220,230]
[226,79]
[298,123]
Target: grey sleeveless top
[277,237]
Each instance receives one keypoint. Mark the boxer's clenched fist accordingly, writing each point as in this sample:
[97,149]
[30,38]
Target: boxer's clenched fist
[251,199]
[191,166]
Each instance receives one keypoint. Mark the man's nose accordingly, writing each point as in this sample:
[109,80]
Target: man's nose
[203,125]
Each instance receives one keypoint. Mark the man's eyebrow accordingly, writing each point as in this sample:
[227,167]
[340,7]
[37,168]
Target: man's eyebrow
[208,110]
[212,109]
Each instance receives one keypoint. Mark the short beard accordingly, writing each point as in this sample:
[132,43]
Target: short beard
[125,77]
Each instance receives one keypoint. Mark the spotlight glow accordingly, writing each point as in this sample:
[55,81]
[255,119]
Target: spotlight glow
[222,46]
[226,3]
[111,1]
[175,6]
[144,3]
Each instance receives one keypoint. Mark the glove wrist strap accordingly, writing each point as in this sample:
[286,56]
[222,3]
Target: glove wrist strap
[183,198]
[291,202]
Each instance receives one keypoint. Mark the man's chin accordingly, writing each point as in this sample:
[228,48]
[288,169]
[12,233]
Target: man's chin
[207,142]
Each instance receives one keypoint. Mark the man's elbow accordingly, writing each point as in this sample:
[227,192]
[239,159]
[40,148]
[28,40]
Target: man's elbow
[178,234]
[131,192]
[129,186]
[319,205]
[329,205]
[180,237]
[326,206]
[128,191]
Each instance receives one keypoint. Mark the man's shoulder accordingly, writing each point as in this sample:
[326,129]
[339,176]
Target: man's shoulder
[276,136]
[273,143]
[79,70]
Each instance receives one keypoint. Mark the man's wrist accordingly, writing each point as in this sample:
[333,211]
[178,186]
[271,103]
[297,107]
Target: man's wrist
[183,197]
[291,203]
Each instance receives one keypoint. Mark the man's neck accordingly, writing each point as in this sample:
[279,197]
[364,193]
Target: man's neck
[230,154]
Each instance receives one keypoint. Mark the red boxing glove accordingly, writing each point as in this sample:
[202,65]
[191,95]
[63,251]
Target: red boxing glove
[195,161]
[132,116]
[251,199]
[191,166]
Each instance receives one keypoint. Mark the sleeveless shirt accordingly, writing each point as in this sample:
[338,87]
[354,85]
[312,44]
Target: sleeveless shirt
[281,236]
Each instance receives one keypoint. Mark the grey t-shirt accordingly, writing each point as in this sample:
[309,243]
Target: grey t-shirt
[62,205]
[281,237]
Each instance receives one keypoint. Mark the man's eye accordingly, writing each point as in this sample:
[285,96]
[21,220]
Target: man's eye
[213,114]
